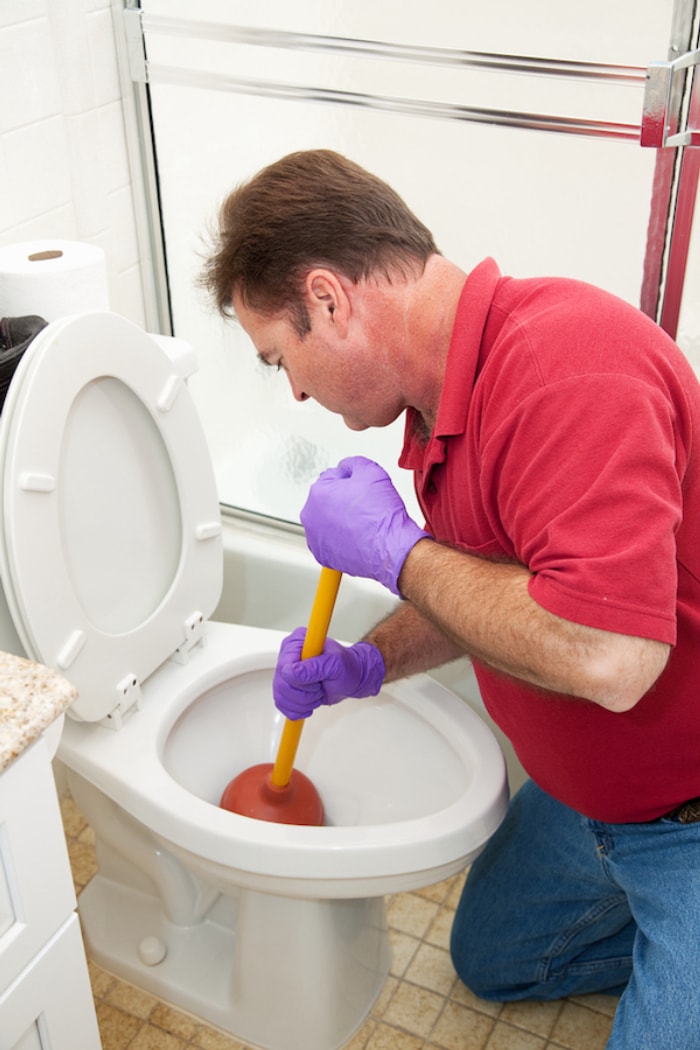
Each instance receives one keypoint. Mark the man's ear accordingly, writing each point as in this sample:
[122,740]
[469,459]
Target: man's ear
[327,299]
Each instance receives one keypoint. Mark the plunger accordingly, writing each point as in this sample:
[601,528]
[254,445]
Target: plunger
[280,793]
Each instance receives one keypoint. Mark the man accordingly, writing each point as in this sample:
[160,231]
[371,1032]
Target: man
[553,432]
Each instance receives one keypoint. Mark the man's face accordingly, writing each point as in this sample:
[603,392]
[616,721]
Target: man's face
[339,370]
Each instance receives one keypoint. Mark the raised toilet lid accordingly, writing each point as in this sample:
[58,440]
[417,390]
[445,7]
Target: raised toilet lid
[111,557]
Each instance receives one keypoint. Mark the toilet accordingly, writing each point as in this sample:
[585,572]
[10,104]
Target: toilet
[111,564]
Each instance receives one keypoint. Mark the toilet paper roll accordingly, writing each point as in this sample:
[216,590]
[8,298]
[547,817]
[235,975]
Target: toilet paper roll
[52,278]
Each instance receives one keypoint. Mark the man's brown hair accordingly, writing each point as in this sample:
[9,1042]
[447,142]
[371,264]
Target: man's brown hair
[312,208]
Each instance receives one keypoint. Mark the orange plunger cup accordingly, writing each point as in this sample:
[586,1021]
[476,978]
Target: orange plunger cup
[278,792]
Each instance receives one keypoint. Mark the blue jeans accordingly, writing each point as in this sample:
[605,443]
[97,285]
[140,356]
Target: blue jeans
[561,905]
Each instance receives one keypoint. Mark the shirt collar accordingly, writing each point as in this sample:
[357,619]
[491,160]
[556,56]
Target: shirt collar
[461,368]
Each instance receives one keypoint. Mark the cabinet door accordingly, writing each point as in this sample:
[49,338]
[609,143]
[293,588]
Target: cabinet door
[50,1006]
[36,888]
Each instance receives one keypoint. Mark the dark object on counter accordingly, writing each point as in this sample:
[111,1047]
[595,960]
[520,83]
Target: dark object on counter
[16,333]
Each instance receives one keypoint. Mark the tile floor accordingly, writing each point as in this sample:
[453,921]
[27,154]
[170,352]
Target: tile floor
[423,1005]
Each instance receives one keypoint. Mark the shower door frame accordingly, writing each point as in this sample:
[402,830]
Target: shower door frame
[671,125]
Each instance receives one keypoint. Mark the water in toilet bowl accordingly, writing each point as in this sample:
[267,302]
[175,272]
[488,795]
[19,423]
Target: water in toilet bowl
[361,779]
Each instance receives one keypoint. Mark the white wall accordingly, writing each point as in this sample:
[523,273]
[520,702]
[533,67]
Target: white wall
[63,161]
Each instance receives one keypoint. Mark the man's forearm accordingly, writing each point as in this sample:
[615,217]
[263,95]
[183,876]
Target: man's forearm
[485,609]
[410,643]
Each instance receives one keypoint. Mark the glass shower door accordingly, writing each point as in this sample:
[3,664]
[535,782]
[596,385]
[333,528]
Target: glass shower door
[512,130]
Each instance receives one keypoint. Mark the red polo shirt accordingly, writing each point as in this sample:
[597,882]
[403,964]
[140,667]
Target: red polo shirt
[566,440]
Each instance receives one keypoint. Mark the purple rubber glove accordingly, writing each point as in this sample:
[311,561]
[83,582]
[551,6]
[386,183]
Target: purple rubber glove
[300,686]
[356,522]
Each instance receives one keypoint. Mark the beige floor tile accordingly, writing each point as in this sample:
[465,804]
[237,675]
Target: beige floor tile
[578,1028]
[117,1028]
[460,1028]
[414,1009]
[150,1038]
[455,893]
[209,1039]
[464,997]
[504,1037]
[432,968]
[441,928]
[604,1004]
[173,1021]
[73,820]
[132,1000]
[411,914]
[386,1038]
[403,948]
[87,836]
[82,861]
[361,1038]
[538,1018]
[384,997]
[100,980]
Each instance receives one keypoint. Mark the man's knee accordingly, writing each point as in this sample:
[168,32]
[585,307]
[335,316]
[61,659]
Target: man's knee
[474,948]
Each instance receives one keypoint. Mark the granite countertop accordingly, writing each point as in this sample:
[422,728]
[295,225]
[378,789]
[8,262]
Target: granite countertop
[31,698]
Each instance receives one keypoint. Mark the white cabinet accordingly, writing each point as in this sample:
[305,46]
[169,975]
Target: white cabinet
[45,995]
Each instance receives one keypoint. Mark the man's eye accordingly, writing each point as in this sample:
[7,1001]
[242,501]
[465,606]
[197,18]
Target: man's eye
[277,365]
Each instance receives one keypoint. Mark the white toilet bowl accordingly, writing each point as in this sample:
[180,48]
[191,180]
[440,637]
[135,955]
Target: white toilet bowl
[111,565]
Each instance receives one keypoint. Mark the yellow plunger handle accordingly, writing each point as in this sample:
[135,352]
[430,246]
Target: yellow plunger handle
[319,620]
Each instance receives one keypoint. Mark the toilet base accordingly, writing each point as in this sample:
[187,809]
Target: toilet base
[278,973]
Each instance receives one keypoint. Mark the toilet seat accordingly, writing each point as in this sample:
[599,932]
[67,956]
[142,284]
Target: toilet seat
[111,555]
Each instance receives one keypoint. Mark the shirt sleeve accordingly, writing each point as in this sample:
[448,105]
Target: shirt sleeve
[587,488]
